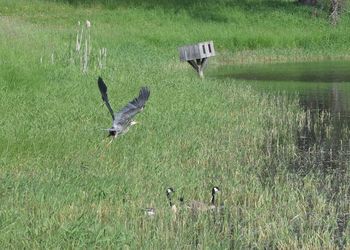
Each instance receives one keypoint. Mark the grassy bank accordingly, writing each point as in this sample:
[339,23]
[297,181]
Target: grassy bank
[62,186]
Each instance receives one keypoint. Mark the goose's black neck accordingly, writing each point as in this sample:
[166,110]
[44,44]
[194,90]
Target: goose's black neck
[213,198]
[169,199]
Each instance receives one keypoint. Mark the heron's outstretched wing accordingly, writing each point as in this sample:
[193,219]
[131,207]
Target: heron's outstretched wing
[124,116]
[103,89]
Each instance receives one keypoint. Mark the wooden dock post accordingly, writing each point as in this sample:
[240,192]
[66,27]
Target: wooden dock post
[197,55]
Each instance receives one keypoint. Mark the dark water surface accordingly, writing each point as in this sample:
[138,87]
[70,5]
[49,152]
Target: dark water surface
[323,91]
[319,85]
[326,72]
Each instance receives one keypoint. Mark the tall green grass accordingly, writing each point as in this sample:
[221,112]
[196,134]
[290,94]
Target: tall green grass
[62,186]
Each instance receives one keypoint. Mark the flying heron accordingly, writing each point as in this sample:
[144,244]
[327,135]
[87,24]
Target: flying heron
[123,119]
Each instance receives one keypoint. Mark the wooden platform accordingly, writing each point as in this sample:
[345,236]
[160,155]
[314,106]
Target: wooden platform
[197,55]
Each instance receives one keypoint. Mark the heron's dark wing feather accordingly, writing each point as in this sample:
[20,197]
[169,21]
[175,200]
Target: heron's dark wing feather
[103,89]
[124,116]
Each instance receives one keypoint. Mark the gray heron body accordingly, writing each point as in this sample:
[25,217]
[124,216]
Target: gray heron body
[123,119]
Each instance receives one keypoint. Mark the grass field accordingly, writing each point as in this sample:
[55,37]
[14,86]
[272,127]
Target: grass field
[63,187]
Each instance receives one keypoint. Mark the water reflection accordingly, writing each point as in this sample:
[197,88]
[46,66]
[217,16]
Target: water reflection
[330,119]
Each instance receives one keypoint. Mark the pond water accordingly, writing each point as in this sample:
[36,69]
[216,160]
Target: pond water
[323,142]
[323,91]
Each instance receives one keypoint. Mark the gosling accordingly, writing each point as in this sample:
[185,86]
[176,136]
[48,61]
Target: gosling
[151,211]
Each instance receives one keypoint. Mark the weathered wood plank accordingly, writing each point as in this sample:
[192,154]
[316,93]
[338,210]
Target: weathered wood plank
[197,51]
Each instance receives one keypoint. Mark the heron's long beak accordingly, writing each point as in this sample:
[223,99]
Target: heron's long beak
[133,123]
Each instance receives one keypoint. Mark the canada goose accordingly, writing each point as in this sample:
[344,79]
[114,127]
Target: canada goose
[169,193]
[123,119]
[199,206]
[151,211]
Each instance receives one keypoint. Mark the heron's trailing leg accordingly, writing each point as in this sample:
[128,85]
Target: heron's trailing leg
[109,143]
[113,136]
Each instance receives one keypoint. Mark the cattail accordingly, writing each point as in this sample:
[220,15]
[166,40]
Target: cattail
[78,41]
[100,59]
[85,65]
